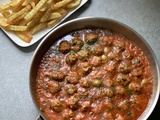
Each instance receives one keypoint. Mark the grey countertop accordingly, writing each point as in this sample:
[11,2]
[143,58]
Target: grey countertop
[15,100]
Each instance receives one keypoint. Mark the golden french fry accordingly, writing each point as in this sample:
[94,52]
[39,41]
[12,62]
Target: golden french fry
[47,5]
[38,27]
[3,22]
[16,28]
[31,14]
[74,4]
[14,16]
[25,36]
[46,16]
[54,15]
[36,19]
[18,19]
[51,23]
[61,4]
[61,11]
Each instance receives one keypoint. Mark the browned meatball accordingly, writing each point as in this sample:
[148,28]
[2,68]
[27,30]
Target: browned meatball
[124,105]
[83,55]
[91,38]
[120,90]
[73,78]
[124,67]
[108,40]
[71,59]
[57,75]
[127,54]
[53,87]
[111,66]
[98,50]
[115,56]
[72,102]
[84,82]
[135,87]
[64,47]
[70,89]
[67,114]
[120,117]
[56,105]
[84,68]
[96,61]
[136,62]
[85,105]
[76,45]
[108,104]
[119,45]
[123,79]
[137,72]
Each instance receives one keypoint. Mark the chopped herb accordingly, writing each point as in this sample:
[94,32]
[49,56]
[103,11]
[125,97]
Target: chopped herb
[129,112]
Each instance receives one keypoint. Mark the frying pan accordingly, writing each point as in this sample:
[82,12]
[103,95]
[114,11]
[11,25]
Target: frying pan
[94,22]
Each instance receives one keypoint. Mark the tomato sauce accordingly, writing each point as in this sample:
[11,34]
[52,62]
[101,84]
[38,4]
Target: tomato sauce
[94,74]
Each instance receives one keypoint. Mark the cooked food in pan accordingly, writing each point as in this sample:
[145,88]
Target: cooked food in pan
[94,74]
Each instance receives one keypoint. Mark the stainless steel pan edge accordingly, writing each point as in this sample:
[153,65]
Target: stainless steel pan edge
[94,22]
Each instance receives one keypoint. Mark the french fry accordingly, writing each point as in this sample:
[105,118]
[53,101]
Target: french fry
[16,28]
[38,27]
[74,4]
[46,16]
[54,15]
[3,22]
[61,4]
[25,36]
[31,14]
[51,23]
[14,16]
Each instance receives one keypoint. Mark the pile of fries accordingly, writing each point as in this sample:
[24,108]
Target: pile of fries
[27,17]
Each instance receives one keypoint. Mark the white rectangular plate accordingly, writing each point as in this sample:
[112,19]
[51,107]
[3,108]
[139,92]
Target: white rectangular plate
[38,35]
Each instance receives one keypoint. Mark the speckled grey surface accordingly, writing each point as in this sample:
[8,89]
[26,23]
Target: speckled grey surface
[15,100]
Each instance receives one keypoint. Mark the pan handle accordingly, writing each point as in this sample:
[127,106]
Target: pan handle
[39,118]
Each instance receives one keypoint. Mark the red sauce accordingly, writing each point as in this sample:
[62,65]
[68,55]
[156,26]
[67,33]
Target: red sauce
[94,74]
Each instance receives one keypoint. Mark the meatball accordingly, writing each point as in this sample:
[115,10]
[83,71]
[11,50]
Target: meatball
[85,105]
[108,40]
[119,45]
[64,47]
[84,68]
[53,87]
[114,56]
[96,61]
[123,79]
[108,104]
[72,102]
[91,38]
[73,78]
[110,66]
[83,55]
[56,105]
[57,75]
[127,55]
[71,59]
[135,87]
[98,50]
[70,89]
[124,67]
[120,90]
[84,82]
[67,114]
[124,105]
[120,117]
[76,45]
[136,62]
[137,72]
